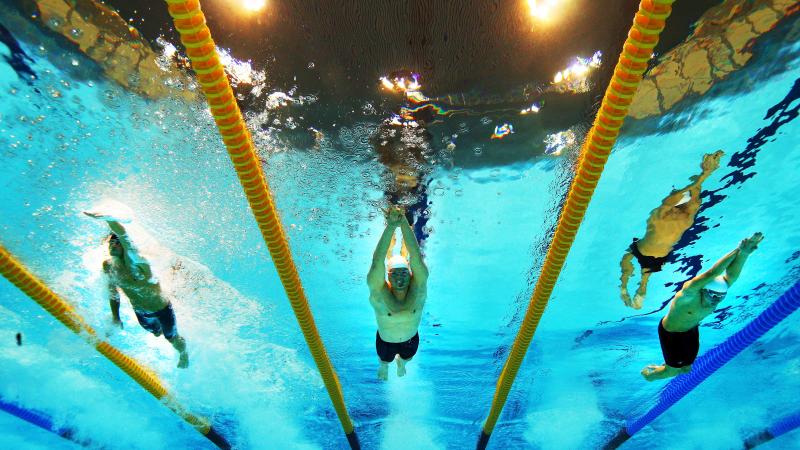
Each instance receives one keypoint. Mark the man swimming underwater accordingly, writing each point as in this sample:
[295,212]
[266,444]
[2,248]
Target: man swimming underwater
[665,226]
[397,303]
[678,331]
[129,271]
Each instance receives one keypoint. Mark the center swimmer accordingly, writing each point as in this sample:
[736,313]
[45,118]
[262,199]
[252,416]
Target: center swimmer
[127,270]
[397,302]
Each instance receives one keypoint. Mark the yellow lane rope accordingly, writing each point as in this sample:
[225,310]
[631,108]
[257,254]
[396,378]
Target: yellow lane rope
[196,37]
[34,288]
[637,50]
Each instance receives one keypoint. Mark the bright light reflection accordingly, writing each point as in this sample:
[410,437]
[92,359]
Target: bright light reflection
[254,5]
[543,9]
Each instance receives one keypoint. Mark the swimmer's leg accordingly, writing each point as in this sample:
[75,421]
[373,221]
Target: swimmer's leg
[627,270]
[180,345]
[401,365]
[383,370]
[655,372]
[638,299]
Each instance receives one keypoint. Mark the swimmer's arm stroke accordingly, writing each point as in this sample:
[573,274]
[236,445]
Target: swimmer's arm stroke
[730,264]
[697,283]
[134,259]
[746,247]
[113,294]
[418,267]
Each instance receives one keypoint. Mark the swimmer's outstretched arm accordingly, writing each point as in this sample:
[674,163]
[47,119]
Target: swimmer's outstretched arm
[709,165]
[113,294]
[377,270]
[418,267]
[746,247]
[132,255]
[706,277]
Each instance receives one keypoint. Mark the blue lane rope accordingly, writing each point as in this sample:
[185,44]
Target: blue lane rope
[785,425]
[35,418]
[712,360]
[780,427]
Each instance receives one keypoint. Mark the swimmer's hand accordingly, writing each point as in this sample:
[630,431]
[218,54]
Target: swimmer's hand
[107,217]
[118,323]
[394,215]
[749,245]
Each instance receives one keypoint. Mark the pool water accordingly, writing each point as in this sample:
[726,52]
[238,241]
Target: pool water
[71,139]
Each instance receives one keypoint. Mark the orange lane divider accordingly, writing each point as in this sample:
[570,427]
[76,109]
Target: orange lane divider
[643,36]
[34,288]
[201,50]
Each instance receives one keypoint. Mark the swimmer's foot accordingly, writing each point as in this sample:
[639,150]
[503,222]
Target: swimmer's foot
[401,366]
[654,372]
[638,300]
[383,371]
[626,298]
[183,362]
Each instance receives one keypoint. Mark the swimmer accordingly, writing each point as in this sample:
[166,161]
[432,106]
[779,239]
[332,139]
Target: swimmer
[129,271]
[665,226]
[397,303]
[699,297]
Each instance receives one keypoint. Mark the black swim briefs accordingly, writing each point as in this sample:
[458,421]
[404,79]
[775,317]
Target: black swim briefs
[158,322]
[387,350]
[649,263]
[679,348]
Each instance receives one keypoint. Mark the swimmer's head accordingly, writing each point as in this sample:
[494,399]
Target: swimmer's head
[685,197]
[715,290]
[399,272]
[114,246]
[678,198]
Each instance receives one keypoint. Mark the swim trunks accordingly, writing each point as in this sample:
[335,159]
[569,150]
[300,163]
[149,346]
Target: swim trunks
[158,322]
[649,263]
[680,347]
[387,350]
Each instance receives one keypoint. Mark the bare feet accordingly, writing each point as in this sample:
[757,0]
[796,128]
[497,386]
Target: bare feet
[183,362]
[654,372]
[638,300]
[383,371]
[626,298]
[401,366]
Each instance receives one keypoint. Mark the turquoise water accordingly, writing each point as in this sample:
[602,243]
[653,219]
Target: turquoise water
[70,141]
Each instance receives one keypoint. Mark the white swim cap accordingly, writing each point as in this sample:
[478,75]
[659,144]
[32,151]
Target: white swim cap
[398,262]
[685,197]
[718,284]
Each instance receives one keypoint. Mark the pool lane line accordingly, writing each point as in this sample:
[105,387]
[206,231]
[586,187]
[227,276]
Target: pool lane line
[648,23]
[40,420]
[13,270]
[779,428]
[190,23]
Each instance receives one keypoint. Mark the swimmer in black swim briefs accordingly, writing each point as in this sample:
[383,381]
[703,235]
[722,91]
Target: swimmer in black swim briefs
[665,226]
[679,347]
[158,322]
[678,331]
[388,350]
[649,263]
